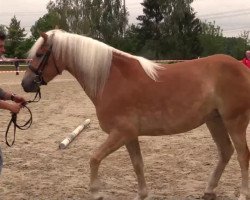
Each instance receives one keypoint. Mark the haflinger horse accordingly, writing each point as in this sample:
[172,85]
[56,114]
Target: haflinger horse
[134,96]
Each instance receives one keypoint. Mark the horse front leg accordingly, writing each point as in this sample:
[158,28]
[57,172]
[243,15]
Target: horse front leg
[134,151]
[114,141]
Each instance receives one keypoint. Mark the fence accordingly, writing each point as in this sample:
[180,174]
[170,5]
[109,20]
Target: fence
[13,65]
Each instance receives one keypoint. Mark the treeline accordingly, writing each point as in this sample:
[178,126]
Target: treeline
[167,29]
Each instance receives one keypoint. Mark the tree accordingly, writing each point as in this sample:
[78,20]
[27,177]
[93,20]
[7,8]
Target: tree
[101,19]
[16,36]
[245,36]
[61,8]
[150,21]
[47,22]
[170,29]
[95,17]
[213,42]
[3,29]
[234,46]
[130,42]
[112,21]
[211,39]
[182,30]
[209,28]
[237,47]
[149,31]
[25,46]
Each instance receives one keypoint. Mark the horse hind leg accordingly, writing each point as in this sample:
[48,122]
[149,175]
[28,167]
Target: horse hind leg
[237,130]
[134,151]
[225,150]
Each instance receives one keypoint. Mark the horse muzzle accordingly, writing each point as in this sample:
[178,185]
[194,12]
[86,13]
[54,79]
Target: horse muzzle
[31,84]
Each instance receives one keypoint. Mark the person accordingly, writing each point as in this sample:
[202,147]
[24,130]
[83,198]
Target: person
[246,60]
[16,63]
[17,100]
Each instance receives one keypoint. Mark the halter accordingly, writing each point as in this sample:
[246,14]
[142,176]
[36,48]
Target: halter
[39,80]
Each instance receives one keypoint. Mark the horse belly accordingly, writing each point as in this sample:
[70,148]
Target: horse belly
[152,124]
[167,123]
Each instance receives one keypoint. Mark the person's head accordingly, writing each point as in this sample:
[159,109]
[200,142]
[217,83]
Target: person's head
[248,55]
[2,38]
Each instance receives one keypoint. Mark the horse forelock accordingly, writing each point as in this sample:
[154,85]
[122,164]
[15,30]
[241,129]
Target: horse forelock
[38,44]
[34,48]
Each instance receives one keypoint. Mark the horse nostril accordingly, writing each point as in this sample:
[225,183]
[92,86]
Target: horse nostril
[23,84]
[25,88]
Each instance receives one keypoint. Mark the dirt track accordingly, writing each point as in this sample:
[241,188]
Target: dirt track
[176,167]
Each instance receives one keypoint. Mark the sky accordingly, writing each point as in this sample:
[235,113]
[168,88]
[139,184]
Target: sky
[233,16]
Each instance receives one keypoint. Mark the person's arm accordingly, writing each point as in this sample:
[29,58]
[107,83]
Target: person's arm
[16,98]
[5,95]
[13,107]
[11,96]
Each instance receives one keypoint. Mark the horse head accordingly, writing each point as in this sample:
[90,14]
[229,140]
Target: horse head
[43,66]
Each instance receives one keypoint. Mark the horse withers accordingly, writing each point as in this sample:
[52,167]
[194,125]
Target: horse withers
[134,96]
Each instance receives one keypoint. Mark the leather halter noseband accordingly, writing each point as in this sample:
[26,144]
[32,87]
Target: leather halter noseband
[39,71]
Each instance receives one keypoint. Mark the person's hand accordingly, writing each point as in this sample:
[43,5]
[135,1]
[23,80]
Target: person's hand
[19,99]
[15,107]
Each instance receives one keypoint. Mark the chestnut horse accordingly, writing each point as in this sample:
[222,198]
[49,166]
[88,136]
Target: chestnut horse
[134,96]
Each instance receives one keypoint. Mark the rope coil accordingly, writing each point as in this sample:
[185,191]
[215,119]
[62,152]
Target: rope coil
[24,126]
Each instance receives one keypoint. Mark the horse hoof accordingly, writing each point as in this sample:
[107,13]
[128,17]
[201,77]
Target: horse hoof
[209,196]
[97,197]
[144,197]
[138,198]
[242,197]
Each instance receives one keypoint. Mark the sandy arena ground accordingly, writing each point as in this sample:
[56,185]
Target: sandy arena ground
[176,167]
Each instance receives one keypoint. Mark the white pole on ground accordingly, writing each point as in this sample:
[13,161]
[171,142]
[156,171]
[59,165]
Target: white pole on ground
[73,134]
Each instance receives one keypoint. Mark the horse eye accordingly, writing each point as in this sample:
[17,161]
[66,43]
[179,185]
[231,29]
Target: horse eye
[39,55]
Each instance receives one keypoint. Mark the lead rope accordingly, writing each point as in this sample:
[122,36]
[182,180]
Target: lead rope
[26,125]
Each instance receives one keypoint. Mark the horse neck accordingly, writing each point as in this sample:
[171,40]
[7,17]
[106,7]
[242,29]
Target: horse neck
[91,74]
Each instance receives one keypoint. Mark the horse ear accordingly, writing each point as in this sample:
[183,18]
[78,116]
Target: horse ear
[44,36]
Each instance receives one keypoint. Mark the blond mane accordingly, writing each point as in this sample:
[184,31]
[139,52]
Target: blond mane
[87,59]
